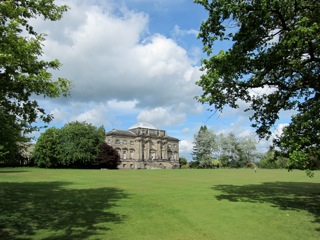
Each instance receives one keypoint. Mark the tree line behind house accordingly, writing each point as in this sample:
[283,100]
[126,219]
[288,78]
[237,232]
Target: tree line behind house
[216,151]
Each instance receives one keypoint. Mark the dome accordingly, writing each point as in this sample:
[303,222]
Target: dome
[143,125]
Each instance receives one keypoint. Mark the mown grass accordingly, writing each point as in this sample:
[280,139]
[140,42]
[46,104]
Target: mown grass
[158,204]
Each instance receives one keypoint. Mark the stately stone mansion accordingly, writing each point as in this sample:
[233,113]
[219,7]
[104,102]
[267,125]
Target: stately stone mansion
[144,147]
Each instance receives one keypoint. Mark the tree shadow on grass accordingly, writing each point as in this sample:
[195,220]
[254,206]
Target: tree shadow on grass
[12,171]
[283,195]
[26,208]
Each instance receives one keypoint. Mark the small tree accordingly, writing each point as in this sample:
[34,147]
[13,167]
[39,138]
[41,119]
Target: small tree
[108,157]
[183,162]
[273,159]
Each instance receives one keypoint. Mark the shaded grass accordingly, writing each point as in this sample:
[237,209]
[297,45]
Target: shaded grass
[28,208]
[158,204]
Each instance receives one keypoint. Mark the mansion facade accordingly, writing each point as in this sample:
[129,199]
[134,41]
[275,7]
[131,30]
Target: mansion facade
[144,147]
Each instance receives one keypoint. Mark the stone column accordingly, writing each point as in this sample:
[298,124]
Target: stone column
[164,150]
[159,149]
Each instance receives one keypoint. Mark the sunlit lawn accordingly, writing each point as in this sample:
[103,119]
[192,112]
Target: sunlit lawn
[158,204]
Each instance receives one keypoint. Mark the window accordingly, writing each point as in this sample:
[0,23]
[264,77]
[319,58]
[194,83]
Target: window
[131,142]
[131,166]
[117,141]
[109,141]
[124,142]
[174,156]
[131,154]
[124,154]
[124,165]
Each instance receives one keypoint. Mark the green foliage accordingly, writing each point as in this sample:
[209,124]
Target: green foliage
[301,140]
[229,151]
[183,162]
[216,163]
[204,145]
[187,166]
[74,145]
[79,143]
[46,153]
[206,162]
[108,157]
[273,159]
[274,51]
[9,135]
[22,73]
[194,164]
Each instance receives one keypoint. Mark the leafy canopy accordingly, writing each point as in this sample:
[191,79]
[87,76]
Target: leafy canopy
[76,144]
[275,50]
[22,72]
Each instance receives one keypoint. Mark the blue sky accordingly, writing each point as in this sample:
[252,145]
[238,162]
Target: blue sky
[136,60]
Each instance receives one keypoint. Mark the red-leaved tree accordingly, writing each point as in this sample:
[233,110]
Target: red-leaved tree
[108,157]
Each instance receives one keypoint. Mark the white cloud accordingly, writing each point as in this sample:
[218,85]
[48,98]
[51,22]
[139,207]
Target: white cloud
[122,106]
[186,147]
[161,117]
[279,130]
[261,91]
[185,130]
[93,116]
[59,114]
[117,68]
[177,32]
[107,59]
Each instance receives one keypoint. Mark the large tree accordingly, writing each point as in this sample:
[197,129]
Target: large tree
[275,50]
[79,144]
[76,144]
[204,147]
[237,152]
[23,73]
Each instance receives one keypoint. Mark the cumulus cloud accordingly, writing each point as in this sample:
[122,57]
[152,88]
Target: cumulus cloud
[117,66]
[107,59]
[161,117]
[186,147]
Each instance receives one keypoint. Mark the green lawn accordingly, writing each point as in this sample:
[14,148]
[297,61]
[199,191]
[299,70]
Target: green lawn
[158,204]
